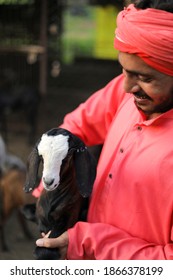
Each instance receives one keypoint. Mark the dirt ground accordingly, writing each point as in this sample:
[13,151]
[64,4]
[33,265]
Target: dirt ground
[75,84]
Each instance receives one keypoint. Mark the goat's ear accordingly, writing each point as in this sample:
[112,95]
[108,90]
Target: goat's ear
[85,167]
[32,170]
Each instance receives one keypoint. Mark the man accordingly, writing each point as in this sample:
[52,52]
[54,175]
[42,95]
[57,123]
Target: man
[131,209]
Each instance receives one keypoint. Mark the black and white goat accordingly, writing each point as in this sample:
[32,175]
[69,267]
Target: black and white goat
[69,171]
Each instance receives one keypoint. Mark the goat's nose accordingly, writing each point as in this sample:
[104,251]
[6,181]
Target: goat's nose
[48,181]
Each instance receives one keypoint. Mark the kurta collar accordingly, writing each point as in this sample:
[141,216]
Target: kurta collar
[143,121]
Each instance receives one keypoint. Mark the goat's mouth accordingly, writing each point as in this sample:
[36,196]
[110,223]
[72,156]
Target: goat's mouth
[50,188]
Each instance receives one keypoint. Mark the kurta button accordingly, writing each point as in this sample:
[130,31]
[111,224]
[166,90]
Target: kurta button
[110,175]
[139,127]
[121,150]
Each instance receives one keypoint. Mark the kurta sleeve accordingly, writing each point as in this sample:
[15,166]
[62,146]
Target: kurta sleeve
[91,120]
[105,242]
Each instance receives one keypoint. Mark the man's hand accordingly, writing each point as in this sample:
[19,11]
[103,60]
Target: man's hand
[60,242]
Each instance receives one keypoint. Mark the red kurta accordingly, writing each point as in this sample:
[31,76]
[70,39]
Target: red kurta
[130,214]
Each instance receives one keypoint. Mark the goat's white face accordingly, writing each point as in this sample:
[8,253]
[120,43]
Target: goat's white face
[53,150]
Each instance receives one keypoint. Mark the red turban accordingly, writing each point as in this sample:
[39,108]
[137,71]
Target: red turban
[147,33]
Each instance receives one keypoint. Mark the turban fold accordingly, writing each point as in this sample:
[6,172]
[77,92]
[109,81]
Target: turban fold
[147,33]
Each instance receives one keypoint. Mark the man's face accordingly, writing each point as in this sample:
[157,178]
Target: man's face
[152,90]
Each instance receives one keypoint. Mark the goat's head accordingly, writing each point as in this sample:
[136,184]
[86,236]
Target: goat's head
[53,149]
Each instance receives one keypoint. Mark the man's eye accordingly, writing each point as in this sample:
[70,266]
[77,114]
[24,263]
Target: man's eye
[128,74]
[144,79]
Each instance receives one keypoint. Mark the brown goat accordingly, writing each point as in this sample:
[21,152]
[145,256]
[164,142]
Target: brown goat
[12,198]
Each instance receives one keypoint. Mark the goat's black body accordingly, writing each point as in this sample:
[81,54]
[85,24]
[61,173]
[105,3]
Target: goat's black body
[67,218]
[57,211]
[60,209]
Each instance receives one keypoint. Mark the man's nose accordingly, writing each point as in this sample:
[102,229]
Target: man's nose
[130,83]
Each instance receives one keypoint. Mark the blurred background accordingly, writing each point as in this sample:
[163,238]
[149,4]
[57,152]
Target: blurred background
[53,56]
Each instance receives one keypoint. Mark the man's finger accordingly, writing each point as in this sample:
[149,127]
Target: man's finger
[47,242]
[61,241]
